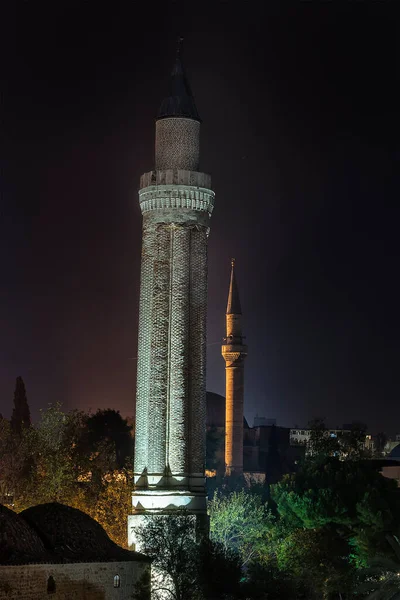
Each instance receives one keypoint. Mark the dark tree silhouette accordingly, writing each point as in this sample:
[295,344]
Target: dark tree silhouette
[21,416]
[380,443]
[273,466]
[108,427]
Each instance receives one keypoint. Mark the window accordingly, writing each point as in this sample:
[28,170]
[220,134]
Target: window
[117,581]
[51,585]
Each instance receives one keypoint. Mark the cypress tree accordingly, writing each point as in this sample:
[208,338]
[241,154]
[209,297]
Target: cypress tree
[21,416]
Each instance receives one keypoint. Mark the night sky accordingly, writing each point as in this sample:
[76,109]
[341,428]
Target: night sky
[301,136]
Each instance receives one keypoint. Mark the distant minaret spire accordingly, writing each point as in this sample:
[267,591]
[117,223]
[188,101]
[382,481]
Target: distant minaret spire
[234,352]
[233,306]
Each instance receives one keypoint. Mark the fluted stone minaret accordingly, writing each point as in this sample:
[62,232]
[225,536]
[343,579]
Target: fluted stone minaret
[234,353]
[176,201]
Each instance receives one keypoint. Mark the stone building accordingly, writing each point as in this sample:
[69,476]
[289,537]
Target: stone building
[234,352]
[391,466]
[56,551]
[257,444]
[176,201]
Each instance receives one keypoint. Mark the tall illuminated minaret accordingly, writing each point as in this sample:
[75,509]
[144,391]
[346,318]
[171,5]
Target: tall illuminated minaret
[234,353]
[176,201]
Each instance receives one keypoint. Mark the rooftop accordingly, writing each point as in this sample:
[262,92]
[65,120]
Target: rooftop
[55,533]
[179,101]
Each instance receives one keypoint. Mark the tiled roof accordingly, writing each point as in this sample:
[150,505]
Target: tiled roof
[55,533]
[72,535]
[19,543]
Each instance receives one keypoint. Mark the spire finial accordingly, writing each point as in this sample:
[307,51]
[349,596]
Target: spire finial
[179,46]
[179,102]
[233,306]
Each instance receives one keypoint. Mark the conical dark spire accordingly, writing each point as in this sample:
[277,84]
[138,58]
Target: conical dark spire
[180,101]
[233,307]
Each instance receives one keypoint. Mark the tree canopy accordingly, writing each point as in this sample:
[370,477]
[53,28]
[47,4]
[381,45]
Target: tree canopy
[21,416]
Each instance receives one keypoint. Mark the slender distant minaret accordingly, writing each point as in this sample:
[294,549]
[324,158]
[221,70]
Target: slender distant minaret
[234,353]
[176,201]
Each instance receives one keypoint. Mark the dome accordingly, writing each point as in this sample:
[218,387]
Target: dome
[72,536]
[395,453]
[19,543]
[215,410]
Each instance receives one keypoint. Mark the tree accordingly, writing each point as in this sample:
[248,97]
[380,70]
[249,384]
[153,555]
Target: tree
[240,522]
[171,542]
[21,416]
[186,567]
[348,445]
[321,444]
[113,503]
[51,462]
[219,571]
[56,461]
[214,449]
[380,443]
[352,497]
[109,436]
[352,443]
[382,577]
[16,463]
[318,560]
[274,461]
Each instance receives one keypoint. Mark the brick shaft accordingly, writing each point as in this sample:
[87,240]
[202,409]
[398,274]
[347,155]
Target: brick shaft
[176,204]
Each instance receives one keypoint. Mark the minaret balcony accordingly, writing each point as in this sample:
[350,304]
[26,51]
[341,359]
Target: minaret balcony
[234,348]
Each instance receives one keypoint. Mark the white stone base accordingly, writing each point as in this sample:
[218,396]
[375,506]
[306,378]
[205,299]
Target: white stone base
[147,503]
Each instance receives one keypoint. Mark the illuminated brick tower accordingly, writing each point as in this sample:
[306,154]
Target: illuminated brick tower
[234,353]
[176,201]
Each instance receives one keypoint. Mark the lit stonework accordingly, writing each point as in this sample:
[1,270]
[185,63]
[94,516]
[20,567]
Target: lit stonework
[234,352]
[176,201]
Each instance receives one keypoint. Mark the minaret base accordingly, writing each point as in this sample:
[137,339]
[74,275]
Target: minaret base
[234,471]
[166,503]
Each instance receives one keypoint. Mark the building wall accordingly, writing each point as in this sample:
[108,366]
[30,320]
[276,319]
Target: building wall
[88,581]
[392,472]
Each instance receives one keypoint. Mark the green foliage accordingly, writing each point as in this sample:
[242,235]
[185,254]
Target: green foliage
[112,504]
[333,517]
[214,448]
[240,522]
[381,578]
[219,571]
[56,465]
[62,459]
[347,446]
[267,581]
[186,567]
[318,559]
[350,498]
[320,442]
[110,435]
[143,587]
[15,461]
[353,442]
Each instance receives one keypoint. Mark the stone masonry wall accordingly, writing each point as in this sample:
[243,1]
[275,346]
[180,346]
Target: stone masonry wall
[177,144]
[77,581]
